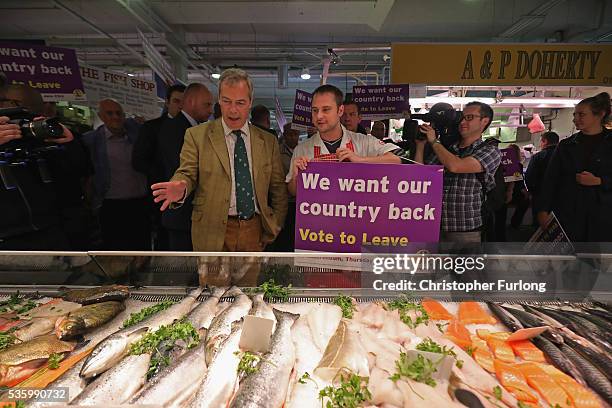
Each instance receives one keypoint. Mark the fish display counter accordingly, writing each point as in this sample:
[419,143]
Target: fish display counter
[305,330]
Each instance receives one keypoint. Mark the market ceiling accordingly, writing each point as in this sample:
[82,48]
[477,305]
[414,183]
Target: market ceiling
[261,35]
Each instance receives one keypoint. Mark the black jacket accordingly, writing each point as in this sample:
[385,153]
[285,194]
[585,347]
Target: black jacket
[145,154]
[585,212]
[534,176]
[170,143]
[34,190]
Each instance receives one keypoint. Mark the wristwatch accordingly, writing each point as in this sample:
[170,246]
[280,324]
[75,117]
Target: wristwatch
[436,141]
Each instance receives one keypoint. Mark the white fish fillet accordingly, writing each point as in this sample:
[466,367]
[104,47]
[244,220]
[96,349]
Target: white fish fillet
[344,351]
[323,320]
[384,390]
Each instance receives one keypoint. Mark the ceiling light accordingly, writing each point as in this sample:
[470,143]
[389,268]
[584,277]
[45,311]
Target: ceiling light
[305,74]
[550,102]
[130,74]
[457,100]
[216,74]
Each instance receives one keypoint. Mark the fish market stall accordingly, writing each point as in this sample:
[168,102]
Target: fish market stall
[305,330]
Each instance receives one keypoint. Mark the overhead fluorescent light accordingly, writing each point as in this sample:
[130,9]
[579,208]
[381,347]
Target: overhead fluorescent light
[541,102]
[508,102]
[305,74]
[460,100]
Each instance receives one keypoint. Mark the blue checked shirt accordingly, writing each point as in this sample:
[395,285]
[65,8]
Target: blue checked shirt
[463,192]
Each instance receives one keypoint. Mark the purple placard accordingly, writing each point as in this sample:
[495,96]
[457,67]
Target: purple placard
[403,205]
[382,101]
[302,116]
[511,164]
[53,71]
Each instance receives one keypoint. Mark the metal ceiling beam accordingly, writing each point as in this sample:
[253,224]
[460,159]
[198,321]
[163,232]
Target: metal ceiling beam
[99,30]
[533,18]
[156,24]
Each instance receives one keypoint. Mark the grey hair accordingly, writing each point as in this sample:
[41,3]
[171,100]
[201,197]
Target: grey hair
[232,76]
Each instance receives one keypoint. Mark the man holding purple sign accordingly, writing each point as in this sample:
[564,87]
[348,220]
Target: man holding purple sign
[333,142]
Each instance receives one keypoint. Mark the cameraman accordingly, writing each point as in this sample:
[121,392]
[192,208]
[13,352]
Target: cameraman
[29,187]
[470,165]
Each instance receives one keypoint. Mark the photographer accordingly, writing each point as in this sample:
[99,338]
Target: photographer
[469,165]
[31,182]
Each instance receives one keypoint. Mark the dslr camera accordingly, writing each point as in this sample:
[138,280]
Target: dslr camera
[32,128]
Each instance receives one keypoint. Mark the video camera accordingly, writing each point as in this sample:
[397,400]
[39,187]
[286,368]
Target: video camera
[32,128]
[31,149]
[442,117]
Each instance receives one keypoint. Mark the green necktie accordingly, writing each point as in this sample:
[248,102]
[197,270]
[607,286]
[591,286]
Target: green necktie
[245,206]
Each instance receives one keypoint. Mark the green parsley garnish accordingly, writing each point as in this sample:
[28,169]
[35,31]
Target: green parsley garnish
[420,369]
[7,339]
[351,392]
[306,377]
[157,363]
[272,291]
[141,315]
[180,330]
[346,304]
[248,363]
[521,404]
[54,360]
[17,304]
[497,391]
[405,306]
[470,350]
[433,347]
[442,327]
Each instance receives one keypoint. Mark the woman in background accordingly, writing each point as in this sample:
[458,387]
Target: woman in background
[578,182]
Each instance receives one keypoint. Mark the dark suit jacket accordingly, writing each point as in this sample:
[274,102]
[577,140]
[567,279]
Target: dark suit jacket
[145,156]
[583,211]
[170,143]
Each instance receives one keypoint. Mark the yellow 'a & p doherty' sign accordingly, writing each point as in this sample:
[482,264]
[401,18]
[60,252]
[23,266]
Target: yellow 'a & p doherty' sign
[502,64]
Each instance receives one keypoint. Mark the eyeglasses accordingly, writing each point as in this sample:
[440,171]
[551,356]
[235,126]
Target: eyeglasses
[470,117]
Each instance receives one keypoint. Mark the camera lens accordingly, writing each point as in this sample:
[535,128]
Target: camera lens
[45,128]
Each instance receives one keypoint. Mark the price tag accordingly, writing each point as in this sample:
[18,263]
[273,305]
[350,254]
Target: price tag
[256,334]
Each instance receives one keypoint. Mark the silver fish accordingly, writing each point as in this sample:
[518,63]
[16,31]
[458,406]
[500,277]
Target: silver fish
[175,379]
[267,387]
[203,314]
[260,308]
[594,378]
[70,380]
[557,358]
[115,347]
[118,384]
[221,325]
[222,375]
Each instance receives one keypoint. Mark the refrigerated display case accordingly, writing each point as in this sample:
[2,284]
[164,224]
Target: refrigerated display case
[391,320]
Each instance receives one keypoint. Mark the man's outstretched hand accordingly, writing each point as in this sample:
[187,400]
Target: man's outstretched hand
[169,192]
